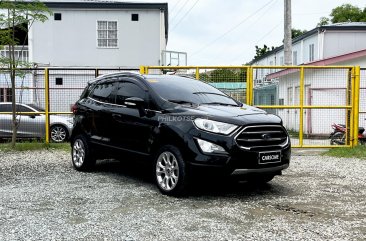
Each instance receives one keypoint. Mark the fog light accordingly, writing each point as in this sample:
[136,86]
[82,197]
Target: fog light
[209,147]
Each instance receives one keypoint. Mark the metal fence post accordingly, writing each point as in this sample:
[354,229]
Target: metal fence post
[250,85]
[197,73]
[301,130]
[47,104]
[142,69]
[356,103]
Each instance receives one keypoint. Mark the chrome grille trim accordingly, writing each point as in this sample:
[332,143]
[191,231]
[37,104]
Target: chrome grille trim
[263,142]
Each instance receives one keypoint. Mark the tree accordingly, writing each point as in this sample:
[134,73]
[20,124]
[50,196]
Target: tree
[297,32]
[14,16]
[262,51]
[323,21]
[345,13]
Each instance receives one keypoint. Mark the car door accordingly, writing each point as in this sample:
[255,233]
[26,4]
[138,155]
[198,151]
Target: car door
[99,106]
[5,121]
[30,125]
[132,130]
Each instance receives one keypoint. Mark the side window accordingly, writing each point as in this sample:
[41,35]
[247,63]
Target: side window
[103,92]
[21,108]
[128,89]
[5,108]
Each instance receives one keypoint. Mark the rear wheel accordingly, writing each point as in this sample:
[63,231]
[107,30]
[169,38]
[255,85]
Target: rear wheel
[82,157]
[338,138]
[58,133]
[170,171]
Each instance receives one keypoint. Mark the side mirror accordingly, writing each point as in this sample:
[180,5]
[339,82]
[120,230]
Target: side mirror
[134,102]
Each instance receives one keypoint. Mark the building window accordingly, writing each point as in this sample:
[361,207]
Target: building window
[57,16]
[5,94]
[311,52]
[107,34]
[281,61]
[134,17]
[294,58]
[59,81]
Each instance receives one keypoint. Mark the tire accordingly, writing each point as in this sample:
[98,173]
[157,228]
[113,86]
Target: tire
[58,133]
[82,157]
[170,171]
[260,179]
[337,139]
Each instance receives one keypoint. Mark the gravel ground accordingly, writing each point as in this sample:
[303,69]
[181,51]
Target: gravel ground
[43,198]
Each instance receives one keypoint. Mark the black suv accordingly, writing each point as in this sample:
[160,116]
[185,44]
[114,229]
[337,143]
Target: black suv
[181,125]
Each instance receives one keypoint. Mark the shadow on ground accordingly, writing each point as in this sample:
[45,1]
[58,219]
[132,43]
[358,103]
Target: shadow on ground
[201,185]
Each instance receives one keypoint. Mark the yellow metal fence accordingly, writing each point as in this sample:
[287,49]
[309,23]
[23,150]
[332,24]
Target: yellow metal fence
[307,98]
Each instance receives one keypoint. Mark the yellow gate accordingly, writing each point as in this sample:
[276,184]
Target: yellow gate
[309,99]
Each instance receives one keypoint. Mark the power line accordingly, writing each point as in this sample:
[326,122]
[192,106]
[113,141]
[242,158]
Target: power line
[180,20]
[175,5]
[257,42]
[180,9]
[232,29]
[269,7]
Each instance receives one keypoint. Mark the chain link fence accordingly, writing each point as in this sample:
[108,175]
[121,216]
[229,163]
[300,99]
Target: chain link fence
[308,99]
[38,91]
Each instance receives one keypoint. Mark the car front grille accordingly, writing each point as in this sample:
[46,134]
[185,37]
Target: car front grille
[261,136]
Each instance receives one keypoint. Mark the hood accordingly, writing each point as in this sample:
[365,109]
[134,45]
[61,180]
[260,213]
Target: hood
[231,114]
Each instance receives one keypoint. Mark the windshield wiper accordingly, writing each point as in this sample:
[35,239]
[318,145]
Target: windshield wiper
[219,103]
[211,93]
[182,102]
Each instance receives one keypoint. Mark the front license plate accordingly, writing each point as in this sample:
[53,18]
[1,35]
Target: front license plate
[269,157]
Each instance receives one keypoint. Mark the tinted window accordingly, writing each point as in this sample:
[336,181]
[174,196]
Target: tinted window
[190,90]
[21,108]
[103,92]
[5,108]
[36,108]
[128,89]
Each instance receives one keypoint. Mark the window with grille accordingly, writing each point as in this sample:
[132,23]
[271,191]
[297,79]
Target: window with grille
[311,52]
[107,34]
[294,58]
[5,94]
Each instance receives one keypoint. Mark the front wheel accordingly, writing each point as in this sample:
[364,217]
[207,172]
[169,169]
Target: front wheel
[170,171]
[82,158]
[58,133]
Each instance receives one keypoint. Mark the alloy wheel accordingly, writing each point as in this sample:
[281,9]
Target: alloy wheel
[58,134]
[167,171]
[78,153]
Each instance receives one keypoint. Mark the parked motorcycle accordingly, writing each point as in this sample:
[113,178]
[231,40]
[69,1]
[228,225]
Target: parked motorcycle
[338,136]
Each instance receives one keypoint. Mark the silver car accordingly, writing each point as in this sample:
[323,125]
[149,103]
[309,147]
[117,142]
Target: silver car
[33,125]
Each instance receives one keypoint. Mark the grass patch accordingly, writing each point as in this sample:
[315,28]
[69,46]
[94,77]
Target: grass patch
[358,152]
[31,146]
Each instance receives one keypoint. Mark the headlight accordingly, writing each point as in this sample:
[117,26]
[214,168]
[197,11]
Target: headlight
[214,126]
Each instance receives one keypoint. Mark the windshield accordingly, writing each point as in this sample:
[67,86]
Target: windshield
[39,109]
[184,90]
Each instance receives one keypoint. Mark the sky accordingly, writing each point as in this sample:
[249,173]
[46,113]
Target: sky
[219,32]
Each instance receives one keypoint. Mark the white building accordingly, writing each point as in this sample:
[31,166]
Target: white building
[338,44]
[94,34]
[100,34]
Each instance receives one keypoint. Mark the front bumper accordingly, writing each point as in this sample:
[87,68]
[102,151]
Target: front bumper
[264,170]
[237,161]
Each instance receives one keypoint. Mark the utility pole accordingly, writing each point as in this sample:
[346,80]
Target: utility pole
[287,38]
